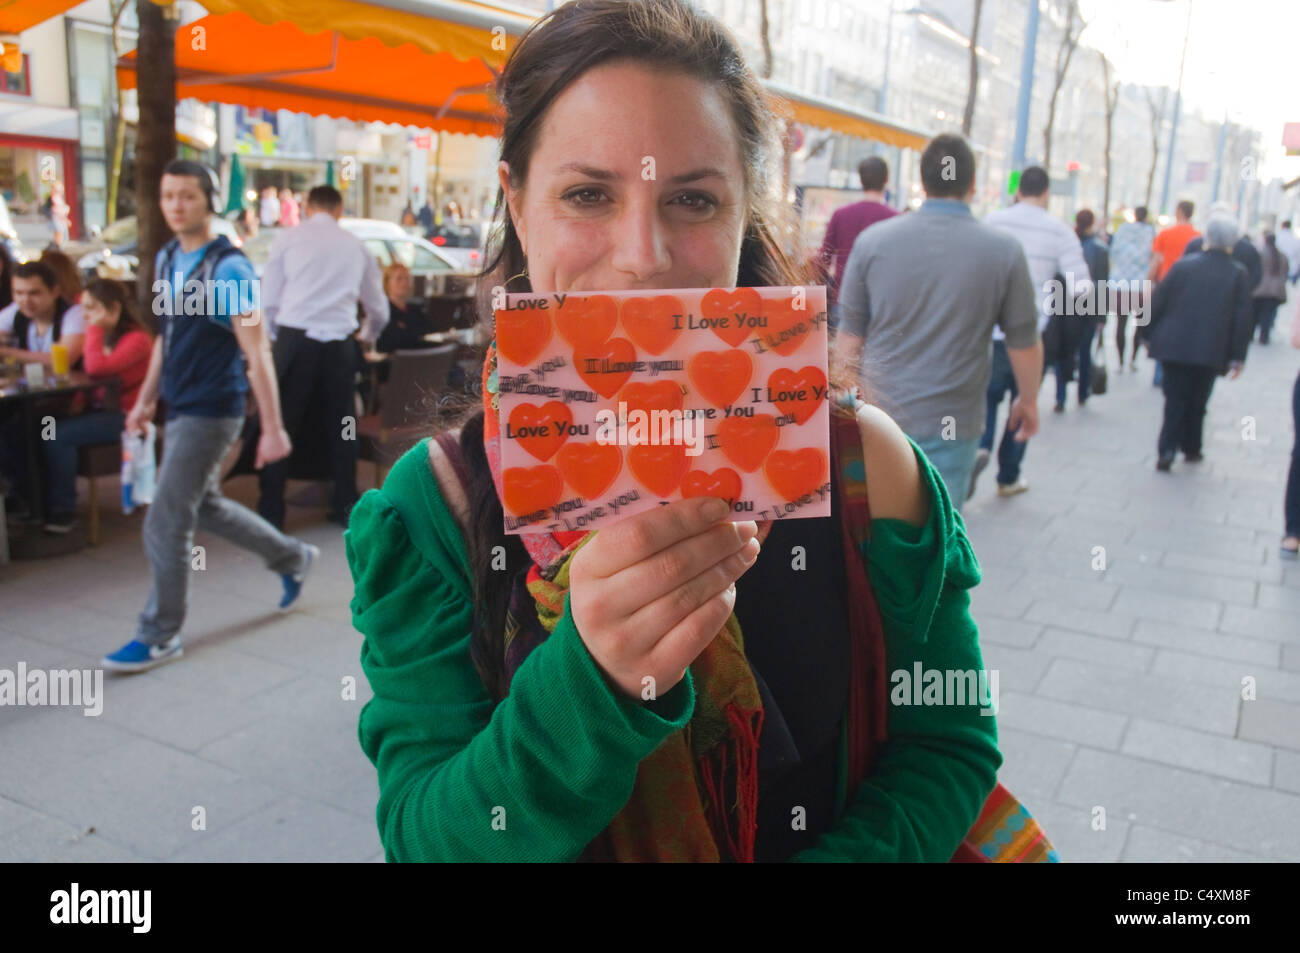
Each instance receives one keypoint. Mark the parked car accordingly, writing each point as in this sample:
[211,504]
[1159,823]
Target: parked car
[117,245]
[462,243]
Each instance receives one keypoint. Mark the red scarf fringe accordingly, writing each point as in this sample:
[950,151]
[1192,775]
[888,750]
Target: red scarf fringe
[737,829]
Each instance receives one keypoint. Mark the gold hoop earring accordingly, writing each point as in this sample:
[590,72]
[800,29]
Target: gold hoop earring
[522,274]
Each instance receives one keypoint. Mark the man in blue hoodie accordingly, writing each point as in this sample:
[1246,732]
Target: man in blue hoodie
[206,302]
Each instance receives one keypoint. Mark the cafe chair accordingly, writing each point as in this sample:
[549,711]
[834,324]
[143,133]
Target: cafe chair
[408,403]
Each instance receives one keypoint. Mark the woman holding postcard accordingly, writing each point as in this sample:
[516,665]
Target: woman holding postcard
[674,685]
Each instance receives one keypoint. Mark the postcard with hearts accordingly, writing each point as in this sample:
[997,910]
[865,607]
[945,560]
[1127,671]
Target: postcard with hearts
[614,403]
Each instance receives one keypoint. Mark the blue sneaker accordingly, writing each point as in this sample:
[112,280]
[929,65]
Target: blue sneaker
[137,656]
[293,581]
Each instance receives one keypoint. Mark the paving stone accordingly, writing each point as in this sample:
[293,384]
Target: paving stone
[1198,751]
[1168,607]
[47,840]
[1012,632]
[1162,699]
[1070,829]
[1150,845]
[1286,770]
[1291,657]
[289,830]
[1108,624]
[1091,648]
[1056,719]
[1273,722]
[1019,670]
[1228,676]
[1214,644]
[1032,765]
[1226,813]
[1281,599]
[1261,623]
[1198,566]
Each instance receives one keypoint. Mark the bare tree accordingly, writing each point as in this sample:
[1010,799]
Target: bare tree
[1112,104]
[765,30]
[156,140]
[1064,53]
[119,124]
[1157,119]
[968,117]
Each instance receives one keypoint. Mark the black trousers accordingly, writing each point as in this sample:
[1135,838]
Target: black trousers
[1187,390]
[317,383]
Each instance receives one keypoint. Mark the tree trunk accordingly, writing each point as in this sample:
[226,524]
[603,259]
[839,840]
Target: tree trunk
[1157,118]
[119,121]
[1112,104]
[1064,53]
[968,117]
[156,135]
[765,27]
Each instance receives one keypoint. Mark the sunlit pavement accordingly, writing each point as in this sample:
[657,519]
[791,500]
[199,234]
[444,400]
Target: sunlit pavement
[1120,689]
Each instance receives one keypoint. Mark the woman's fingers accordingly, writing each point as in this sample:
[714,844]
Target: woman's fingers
[637,586]
[625,544]
[665,613]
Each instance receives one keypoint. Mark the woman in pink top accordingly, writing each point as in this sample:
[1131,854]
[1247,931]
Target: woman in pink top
[117,346]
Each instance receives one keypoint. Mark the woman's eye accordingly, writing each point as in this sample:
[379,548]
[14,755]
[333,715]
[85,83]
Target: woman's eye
[584,196]
[696,201]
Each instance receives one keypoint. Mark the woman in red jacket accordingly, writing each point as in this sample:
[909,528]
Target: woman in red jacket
[117,345]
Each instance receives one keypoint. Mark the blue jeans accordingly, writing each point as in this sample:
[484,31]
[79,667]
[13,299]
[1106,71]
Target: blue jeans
[71,433]
[955,461]
[1002,380]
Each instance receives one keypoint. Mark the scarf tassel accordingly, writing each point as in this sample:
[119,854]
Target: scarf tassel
[738,829]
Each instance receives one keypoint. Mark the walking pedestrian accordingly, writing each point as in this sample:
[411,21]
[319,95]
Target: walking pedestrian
[1057,270]
[1270,293]
[1201,323]
[270,207]
[1169,245]
[921,296]
[1289,244]
[1130,267]
[313,280]
[850,221]
[1092,320]
[1291,503]
[288,209]
[198,364]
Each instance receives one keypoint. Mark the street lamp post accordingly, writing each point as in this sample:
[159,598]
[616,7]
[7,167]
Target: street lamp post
[1026,87]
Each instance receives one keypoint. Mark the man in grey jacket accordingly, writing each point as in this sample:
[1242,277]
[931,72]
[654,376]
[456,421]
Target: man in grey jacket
[921,296]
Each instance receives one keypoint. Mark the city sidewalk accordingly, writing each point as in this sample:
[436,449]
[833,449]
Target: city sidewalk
[1120,687]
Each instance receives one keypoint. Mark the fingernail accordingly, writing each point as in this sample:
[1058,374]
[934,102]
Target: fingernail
[749,552]
[714,508]
[746,530]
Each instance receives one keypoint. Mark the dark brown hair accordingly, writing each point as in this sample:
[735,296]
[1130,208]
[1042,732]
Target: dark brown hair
[67,280]
[108,293]
[669,35]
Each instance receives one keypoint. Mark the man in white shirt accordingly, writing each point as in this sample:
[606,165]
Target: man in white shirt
[316,274]
[1052,249]
[1289,245]
[38,318]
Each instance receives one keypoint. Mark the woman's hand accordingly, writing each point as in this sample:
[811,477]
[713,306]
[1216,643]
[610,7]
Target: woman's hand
[650,593]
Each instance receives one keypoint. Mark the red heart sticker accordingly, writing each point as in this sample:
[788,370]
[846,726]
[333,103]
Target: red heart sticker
[797,393]
[587,321]
[531,490]
[721,376]
[650,396]
[734,306]
[658,468]
[522,334]
[787,329]
[589,468]
[598,366]
[796,473]
[651,322]
[724,483]
[538,429]
[746,441]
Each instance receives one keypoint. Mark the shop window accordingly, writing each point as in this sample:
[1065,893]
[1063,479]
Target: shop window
[17,83]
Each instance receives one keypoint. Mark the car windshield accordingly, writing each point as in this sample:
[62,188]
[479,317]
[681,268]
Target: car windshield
[418,257]
[121,232]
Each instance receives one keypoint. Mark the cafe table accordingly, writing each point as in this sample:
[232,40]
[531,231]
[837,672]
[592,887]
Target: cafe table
[57,393]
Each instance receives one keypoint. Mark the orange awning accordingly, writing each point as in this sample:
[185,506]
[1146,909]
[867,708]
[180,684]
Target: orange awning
[348,59]
[19,15]
[846,118]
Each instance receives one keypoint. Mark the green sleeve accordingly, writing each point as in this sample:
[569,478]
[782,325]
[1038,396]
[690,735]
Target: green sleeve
[932,776]
[534,778]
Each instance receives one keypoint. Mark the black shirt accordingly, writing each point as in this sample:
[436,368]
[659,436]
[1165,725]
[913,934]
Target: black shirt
[794,622]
